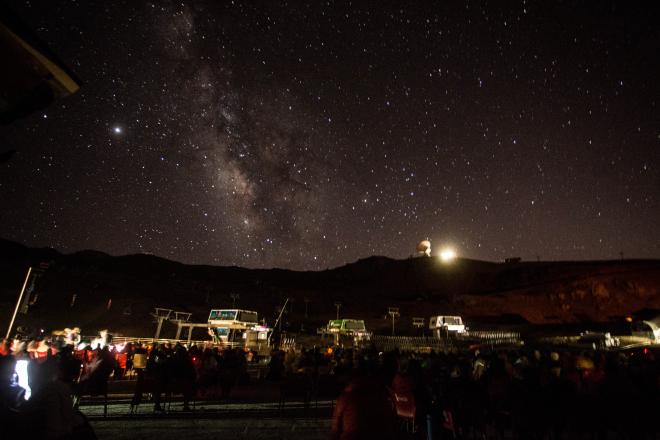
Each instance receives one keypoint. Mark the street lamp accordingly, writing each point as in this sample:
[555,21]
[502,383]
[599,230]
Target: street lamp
[418,323]
[394,313]
[338,305]
[234,297]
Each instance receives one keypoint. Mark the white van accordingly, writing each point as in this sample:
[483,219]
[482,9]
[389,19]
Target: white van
[446,324]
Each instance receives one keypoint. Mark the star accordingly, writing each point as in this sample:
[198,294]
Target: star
[232,122]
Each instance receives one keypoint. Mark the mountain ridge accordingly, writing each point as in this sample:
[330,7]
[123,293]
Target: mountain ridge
[94,290]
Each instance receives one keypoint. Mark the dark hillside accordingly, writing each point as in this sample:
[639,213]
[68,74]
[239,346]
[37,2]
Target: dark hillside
[94,290]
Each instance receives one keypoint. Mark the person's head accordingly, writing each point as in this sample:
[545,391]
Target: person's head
[41,374]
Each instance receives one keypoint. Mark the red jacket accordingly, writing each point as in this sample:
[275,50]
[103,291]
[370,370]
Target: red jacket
[364,411]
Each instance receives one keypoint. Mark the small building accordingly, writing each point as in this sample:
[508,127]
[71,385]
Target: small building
[423,249]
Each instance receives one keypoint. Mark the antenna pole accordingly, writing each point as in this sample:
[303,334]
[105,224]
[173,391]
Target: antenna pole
[278,319]
[18,303]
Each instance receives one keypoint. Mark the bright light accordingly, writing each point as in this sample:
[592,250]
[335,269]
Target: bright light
[101,340]
[446,255]
[21,371]
[117,130]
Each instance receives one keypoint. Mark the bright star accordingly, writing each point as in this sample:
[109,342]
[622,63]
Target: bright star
[117,130]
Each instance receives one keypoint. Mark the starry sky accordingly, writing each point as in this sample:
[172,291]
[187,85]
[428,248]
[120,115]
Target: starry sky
[306,135]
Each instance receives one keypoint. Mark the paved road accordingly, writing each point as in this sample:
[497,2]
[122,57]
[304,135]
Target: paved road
[252,413]
[209,420]
[256,428]
[120,409]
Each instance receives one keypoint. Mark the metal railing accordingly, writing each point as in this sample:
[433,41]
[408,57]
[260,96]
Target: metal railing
[137,340]
[408,343]
[426,343]
[491,337]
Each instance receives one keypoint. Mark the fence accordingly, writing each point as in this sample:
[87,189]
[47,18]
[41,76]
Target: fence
[381,342]
[116,340]
[261,348]
[288,342]
[408,343]
[491,337]
[426,343]
[622,342]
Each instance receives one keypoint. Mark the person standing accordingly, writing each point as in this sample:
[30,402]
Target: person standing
[364,409]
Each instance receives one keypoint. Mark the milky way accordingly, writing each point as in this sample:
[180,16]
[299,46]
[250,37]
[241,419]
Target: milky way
[308,135]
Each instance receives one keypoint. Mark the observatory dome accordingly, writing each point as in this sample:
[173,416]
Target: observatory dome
[423,249]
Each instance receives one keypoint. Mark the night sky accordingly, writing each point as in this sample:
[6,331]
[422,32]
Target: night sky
[308,135]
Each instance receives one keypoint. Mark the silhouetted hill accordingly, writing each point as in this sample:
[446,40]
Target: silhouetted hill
[120,292]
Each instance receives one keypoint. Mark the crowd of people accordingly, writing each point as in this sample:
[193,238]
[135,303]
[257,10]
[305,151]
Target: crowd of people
[525,394]
[41,404]
[491,393]
[194,373]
